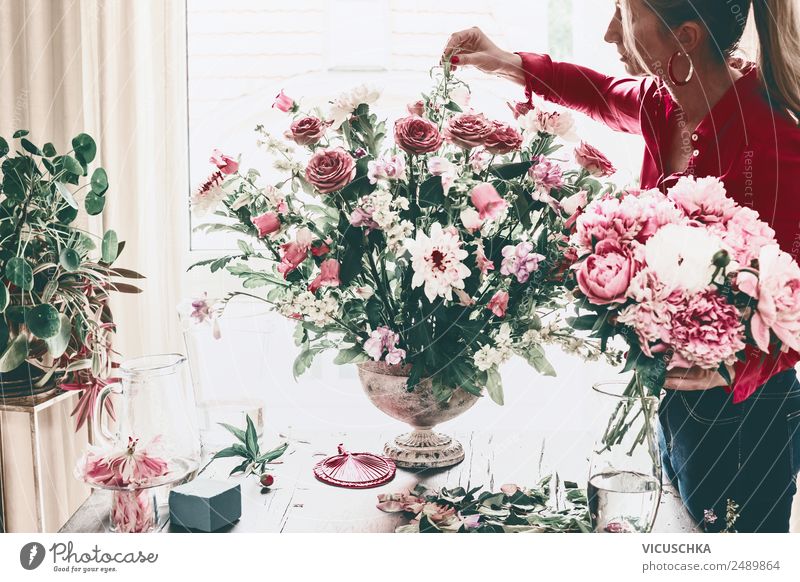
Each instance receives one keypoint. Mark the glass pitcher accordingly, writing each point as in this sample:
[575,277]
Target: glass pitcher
[155,404]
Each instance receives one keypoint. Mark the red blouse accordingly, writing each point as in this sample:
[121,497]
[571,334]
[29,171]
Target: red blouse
[753,148]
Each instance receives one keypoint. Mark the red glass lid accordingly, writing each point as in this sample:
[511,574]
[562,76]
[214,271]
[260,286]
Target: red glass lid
[355,470]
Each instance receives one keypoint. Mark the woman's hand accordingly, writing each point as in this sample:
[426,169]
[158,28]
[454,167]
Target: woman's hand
[696,378]
[473,47]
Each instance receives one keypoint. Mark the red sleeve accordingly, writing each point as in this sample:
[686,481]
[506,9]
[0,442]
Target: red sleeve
[615,101]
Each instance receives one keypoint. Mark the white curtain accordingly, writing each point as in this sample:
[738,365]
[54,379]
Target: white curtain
[115,69]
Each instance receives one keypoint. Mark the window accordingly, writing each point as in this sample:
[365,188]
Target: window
[242,52]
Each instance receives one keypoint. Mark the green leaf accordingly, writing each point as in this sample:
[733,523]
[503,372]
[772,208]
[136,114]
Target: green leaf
[99,181]
[3,147]
[19,272]
[3,335]
[71,165]
[69,259]
[453,106]
[494,386]
[43,321]
[110,247]
[725,373]
[535,356]
[240,468]
[85,148]
[251,438]
[67,214]
[510,171]
[49,150]
[232,451]
[237,432]
[4,298]
[57,345]
[30,147]
[15,354]
[94,204]
[431,193]
[270,456]
[352,355]
[351,263]
[20,133]
[583,323]
[66,195]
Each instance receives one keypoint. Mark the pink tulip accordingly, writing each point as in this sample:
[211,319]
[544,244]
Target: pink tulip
[487,200]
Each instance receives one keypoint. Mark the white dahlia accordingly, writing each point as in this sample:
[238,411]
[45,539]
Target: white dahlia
[437,262]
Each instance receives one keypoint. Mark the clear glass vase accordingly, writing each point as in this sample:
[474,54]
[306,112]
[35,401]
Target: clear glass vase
[624,487]
[228,358]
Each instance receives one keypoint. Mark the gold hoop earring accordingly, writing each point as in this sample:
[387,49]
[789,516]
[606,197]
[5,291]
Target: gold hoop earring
[671,71]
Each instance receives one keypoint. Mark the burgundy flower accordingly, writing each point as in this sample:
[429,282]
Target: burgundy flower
[330,170]
[415,135]
[468,130]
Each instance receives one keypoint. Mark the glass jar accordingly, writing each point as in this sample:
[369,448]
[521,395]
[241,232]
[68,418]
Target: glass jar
[624,487]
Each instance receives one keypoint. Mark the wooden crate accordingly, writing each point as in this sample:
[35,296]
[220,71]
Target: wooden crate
[38,451]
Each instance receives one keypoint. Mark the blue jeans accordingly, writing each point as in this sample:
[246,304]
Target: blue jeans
[715,451]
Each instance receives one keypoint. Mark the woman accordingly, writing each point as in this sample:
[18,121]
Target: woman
[733,452]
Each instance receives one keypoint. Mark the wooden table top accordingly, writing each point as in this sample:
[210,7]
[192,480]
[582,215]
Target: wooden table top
[297,502]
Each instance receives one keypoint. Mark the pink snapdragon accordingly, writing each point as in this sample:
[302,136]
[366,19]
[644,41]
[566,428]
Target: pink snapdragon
[481,261]
[520,261]
[225,164]
[383,340]
[498,304]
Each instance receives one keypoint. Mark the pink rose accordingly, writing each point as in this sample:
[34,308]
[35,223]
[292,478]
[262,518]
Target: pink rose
[503,139]
[416,108]
[594,162]
[468,130]
[487,201]
[293,255]
[328,276]
[267,223]
[605,276]
[330,170]
[498,304]
[284,103]
[224,164]
[777,290]
[307,130]
[415,135]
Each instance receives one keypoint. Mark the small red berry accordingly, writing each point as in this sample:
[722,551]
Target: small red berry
[267,480]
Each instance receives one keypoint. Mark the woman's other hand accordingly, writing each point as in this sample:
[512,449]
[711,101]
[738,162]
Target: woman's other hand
[473,47]
[696,378]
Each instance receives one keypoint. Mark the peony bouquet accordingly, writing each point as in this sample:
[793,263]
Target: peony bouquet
[436,249]
[688,279]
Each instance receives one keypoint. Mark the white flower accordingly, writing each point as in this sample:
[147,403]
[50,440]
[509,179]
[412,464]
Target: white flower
[439,166]
[682,256]
[460,96]
[436,260]
[471,219]
[346,103]
[559,123]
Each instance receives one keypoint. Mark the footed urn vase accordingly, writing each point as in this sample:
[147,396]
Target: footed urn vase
[422,448]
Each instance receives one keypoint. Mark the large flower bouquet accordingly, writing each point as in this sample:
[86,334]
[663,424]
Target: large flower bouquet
[688,279]
[438,251]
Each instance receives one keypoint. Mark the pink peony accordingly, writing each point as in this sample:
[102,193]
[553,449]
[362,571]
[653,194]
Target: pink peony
[293,254]
[328,276]
[604,277]
[503,139]
[498,304]
[593,161]
[267,223]
[546,175]
[746,234]
[284,103]
[702,199]
[706,332]
[777,290]
[487,201]
[468,130]
[307,130]
[415,135]
[520,261]
[388,168]
[224,164]
[330,170]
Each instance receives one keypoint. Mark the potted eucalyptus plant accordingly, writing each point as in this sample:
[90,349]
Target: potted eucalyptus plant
[56,326]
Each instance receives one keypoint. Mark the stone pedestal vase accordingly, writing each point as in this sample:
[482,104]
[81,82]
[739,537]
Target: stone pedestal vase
[422,448]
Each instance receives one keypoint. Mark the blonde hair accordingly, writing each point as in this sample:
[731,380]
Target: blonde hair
[778,31]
